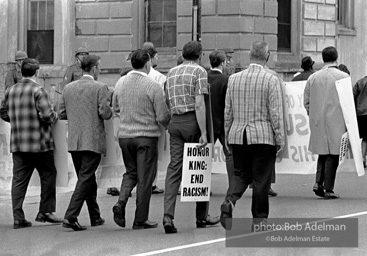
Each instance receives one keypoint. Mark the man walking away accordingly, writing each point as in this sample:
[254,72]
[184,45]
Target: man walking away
[27,108]
[85,103]
[254,128]
[142,108]
[327,123]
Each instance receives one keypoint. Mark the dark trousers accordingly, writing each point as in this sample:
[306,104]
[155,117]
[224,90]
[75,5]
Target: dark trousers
[326,170]
[86,164]
[23,166]
[140,158]
[182,128]
[228,155]
[254,163]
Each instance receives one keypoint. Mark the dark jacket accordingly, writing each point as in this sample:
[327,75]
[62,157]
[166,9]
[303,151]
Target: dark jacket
[303,75]
[218,88]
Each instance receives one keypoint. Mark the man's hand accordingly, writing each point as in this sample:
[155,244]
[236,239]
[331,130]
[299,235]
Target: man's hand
[279,149]
[228,147]
[203,141]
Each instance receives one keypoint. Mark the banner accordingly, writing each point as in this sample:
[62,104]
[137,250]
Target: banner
[196,173]
[296,159]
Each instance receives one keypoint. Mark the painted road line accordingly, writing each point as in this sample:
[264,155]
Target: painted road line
[220,240]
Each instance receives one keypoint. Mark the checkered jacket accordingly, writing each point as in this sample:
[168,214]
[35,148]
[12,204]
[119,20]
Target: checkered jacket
[26,106]
[254,103]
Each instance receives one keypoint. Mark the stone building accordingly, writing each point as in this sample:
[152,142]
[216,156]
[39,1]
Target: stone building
[51,30]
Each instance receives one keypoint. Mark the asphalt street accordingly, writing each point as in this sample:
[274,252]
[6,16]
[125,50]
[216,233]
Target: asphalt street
[295,200]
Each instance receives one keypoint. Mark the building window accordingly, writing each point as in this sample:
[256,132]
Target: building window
[346,17]
[40,30]
[161,23]
[284,25]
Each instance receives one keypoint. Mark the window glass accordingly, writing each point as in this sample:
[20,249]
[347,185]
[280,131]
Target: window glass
[161,22]
[40,34]
[284,25]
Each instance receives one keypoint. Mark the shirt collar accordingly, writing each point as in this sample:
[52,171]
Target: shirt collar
[86,75]
[34,81]
[138,72]
[217,69]
[256,65]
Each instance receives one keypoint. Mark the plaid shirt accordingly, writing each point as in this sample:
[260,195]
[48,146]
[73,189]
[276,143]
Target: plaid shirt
[184,82]
[27,108]
[254,103]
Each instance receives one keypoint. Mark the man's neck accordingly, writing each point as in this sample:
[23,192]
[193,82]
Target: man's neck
[143,70]
[258,62]
[31,78]
[333,63]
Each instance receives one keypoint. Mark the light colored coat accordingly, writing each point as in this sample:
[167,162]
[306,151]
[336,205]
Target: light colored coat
[322,104]
[85,104]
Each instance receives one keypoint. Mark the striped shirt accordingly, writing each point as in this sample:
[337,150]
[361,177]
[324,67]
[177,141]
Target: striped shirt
[26,106]
[184,82]
[141,105]
[254,104]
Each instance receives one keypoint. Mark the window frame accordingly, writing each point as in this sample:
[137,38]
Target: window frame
[28,28]
[161,50]
[293,54]
[345,22]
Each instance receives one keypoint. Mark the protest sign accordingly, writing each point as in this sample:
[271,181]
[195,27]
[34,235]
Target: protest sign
[344,146]
[6,161]
[196,173]
[346,98]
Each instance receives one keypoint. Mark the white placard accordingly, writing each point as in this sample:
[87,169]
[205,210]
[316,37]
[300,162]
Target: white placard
[344,146]
[346,98]
[196,173]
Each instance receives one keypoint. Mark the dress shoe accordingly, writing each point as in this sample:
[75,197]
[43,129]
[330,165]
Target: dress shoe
[318,189]
[168,225]
[226,214]
[209,221]
[48,217]
[145,224]
[119,213]
[272,192]
[157,190]
[331,195]
[22,224]
[97,222]
[113,191]
[73,224]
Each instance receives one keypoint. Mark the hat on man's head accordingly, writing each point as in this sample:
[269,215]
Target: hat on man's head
[228,50]
[307,62]
[81,50]
[20,55]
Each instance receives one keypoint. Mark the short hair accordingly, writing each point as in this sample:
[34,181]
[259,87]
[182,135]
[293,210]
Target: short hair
[329,54]
[139,58]
[216,58]
[89,62]
[259,51]
[29,67]
[192,50]
[149,47]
